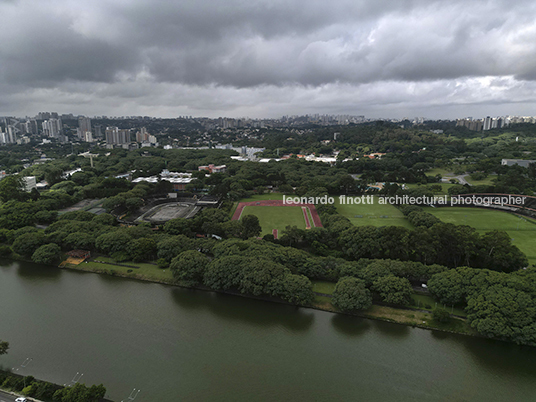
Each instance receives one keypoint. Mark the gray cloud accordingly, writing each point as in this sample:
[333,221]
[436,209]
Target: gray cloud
[265,57]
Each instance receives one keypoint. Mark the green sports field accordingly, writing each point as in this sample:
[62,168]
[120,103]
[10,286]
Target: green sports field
[276,217]
[374,214]
[257,197]
[521,230]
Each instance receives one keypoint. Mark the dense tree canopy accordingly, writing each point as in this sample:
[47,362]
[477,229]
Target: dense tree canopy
[393,290]
[190,267]
[48,254]
[351,294]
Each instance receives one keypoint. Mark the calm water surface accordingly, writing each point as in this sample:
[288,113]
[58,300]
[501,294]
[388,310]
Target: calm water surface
[181,345]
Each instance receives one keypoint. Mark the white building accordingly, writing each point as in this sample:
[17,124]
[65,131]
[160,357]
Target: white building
[29,183]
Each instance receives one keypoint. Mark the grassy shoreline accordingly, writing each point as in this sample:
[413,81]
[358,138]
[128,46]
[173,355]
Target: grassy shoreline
[411,317]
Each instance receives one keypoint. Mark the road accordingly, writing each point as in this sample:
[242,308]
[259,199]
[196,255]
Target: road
[5,397]
[461,179]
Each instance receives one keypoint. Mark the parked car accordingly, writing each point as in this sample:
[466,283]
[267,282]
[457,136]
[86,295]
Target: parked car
[21,399]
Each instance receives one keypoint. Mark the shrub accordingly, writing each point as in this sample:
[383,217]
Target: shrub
[441,315]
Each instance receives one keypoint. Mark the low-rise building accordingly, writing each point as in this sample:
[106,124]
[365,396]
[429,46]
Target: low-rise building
[213,169]
[521,162]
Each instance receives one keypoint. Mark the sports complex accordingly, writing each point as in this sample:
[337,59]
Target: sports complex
[274,216]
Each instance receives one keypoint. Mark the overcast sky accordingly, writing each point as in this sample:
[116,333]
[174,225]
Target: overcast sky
[381,58]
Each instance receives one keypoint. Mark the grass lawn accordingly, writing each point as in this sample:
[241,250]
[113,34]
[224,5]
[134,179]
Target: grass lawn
[261,197]
[276,217]
[521,230]
[323,287]
[143,271]
[446,172]
[486,182]
[421,301]
[441,171]
[310,217]
[417,318]
[374,214]
[403,316]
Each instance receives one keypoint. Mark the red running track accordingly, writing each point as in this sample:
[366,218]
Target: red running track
[277,203]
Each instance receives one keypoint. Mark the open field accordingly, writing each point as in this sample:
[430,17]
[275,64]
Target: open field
[447,171]
[423,300]
[323,286]
[261,197]
[441,171]
[374,214]
[522,230]
[276,217]
[488,181]
[143,271]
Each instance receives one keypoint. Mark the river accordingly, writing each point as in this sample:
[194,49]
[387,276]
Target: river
[184,345]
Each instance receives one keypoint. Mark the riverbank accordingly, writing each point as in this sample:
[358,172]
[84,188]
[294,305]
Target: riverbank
[152,273]
[33,389]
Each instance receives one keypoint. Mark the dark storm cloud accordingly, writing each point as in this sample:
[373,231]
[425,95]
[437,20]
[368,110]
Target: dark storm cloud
[46,50]
[250,56]
[255,43]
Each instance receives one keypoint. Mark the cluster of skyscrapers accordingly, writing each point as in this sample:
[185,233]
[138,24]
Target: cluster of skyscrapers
[116,136]
[489,123]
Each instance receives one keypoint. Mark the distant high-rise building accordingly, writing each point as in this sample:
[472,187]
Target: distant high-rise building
[88,136]
[115,136]
[52,128]
[98,131]
[142,135]
[84,124]
[31,126]
[12,134]
[487,123]
[43,116]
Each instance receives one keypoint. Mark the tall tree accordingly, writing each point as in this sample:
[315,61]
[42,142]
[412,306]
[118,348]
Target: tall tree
[351,294]
[190,267]
[250,226]
[393,290]
[11,188]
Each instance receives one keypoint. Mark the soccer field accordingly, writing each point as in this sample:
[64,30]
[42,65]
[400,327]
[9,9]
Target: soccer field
[521,230]
[374,214]
[276,217]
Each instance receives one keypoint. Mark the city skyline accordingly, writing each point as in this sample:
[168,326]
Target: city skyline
[265,59]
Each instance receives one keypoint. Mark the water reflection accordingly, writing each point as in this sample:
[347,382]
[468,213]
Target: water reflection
[505,358]
[34,271]
[6,263]
[351,326]
[251,311]
[440,335]
[391,329]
